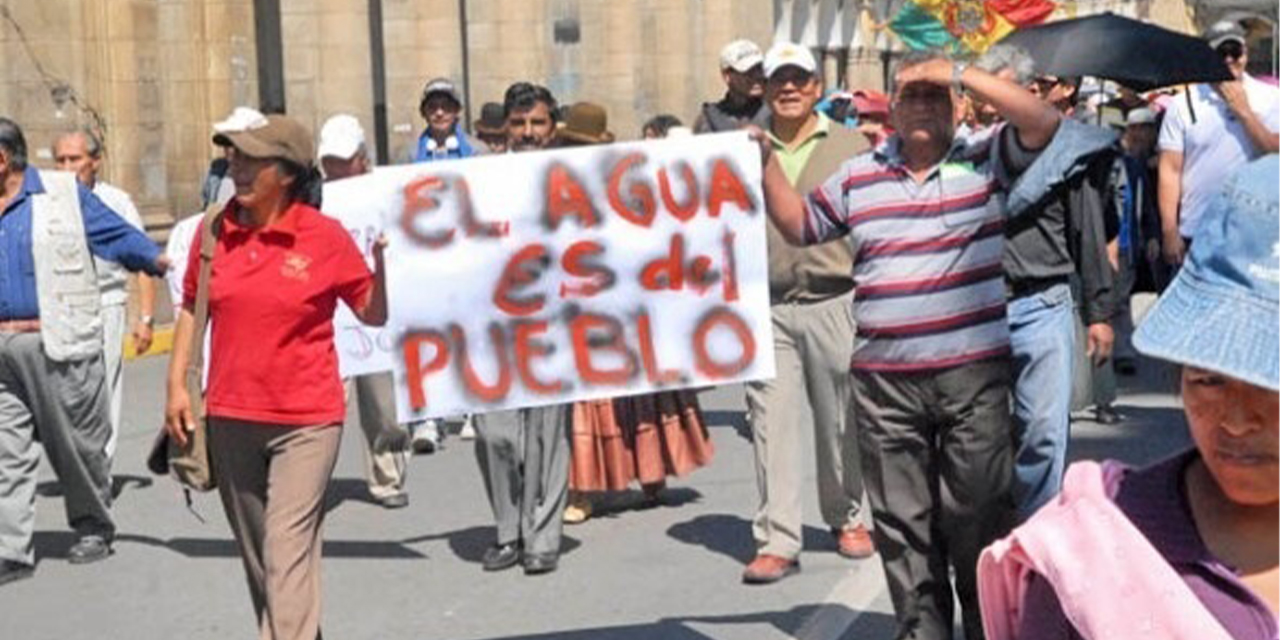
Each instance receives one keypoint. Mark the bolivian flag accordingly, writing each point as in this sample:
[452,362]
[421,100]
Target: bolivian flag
[963,26]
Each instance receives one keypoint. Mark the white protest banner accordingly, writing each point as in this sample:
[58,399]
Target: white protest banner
[361,349]
[548,277]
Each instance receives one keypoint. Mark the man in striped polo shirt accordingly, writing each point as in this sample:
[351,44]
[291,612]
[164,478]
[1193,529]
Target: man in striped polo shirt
[925,215]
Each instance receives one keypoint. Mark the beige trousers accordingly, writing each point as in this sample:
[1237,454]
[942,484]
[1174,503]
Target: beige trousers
[272,480]
[813,344]
[387,456]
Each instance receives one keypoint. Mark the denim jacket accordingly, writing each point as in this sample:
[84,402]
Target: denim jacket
[1060,161]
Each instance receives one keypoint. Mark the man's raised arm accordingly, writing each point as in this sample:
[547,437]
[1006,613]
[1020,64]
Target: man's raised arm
[784,205]
[1035,120]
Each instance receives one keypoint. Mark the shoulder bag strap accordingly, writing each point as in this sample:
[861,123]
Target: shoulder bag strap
[208,243]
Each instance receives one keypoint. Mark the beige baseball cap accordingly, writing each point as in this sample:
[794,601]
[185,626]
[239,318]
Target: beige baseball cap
[784,54]
[274,136]
[740,55]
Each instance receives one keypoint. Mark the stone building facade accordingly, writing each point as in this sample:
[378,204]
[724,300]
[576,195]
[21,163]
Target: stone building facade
[152,75]
[149,75]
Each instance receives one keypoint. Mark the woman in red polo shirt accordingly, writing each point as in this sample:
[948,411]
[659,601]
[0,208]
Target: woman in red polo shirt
[274,399]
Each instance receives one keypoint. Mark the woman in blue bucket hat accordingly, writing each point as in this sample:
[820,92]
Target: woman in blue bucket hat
[1186,548]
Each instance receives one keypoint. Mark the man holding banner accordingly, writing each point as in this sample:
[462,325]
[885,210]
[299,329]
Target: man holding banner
[524,455]
[344,154]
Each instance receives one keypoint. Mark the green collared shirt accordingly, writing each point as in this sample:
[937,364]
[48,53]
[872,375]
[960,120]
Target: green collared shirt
[793,160]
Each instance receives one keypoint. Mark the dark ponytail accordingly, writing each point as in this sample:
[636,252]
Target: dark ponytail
[308,183]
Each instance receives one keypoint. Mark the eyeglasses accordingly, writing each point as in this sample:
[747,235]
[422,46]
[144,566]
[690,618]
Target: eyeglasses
[1231,49]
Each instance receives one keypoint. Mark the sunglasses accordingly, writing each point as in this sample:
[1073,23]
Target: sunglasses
[1047,82]
[790,75]
[1231,49]
[754,74]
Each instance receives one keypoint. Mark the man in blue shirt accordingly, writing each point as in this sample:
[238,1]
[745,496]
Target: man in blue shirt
[443,139]
[52,381]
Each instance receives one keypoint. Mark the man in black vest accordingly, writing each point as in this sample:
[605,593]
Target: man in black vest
[742,67]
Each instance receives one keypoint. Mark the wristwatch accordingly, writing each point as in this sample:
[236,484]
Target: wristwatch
[150,321]
[957,76]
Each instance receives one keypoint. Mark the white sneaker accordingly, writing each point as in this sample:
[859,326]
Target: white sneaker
[426,437]
[468,430]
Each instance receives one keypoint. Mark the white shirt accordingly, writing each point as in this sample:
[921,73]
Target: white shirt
[112,277]
[1216,145]
[181,237]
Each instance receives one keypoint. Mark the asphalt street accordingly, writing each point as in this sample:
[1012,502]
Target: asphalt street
[670,573]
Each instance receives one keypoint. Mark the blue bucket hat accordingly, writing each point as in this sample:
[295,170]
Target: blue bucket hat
[1222,312]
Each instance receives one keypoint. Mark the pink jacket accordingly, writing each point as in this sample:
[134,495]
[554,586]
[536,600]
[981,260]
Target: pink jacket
[1112,584]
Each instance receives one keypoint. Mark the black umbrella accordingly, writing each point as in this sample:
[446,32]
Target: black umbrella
[1138,55]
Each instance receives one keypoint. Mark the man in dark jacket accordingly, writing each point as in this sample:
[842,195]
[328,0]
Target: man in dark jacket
[742,67]
[1062,241]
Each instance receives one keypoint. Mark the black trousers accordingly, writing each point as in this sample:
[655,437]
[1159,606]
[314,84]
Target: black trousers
[937,463]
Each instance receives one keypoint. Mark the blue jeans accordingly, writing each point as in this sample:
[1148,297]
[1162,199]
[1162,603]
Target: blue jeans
[1042,332]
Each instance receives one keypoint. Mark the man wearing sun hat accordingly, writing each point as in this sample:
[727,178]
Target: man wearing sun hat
[811,290]
[742,67]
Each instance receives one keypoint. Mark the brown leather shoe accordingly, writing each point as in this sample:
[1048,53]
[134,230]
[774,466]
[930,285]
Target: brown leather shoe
[767,569]
[855,542]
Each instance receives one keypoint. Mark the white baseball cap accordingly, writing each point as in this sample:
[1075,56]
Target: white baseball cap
[341,137]
[785,54]
[241,119]
[740,55]
[1141,115]
[1224,31]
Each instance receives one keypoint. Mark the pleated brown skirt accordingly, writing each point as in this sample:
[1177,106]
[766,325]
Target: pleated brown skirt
[640,438]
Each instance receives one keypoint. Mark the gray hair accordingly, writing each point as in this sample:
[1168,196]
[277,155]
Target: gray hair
[13,143]
[915,57]
[92,143]
[1011,57]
